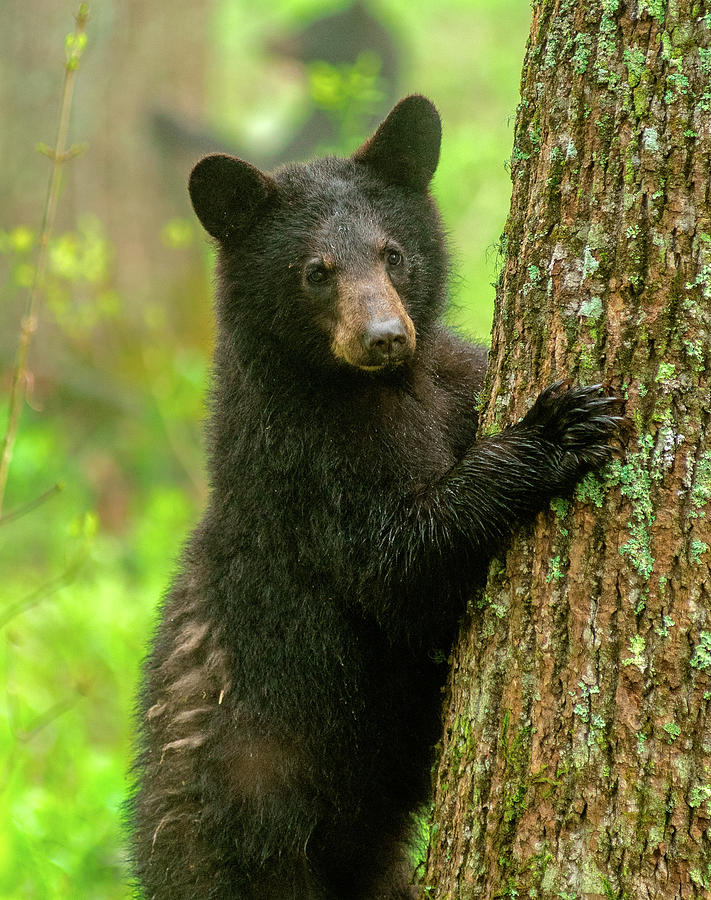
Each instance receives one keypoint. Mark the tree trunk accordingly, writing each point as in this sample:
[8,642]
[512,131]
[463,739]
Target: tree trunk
[576,760]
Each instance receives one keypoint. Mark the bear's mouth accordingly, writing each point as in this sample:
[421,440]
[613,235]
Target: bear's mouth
[365,362]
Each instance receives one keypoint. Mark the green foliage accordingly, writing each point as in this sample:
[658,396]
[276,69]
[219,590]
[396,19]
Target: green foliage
[70,662]
[350,94]
[74,257]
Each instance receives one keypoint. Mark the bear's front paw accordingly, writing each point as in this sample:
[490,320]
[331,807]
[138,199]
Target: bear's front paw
[578,425]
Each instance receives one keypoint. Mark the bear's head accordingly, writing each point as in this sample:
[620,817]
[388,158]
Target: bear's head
[334,262]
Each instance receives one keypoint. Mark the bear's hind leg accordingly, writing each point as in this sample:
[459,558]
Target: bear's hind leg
[364,862]
[227,818]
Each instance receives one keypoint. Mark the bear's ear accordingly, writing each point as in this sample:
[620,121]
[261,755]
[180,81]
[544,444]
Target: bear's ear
[405,148]
[226,193]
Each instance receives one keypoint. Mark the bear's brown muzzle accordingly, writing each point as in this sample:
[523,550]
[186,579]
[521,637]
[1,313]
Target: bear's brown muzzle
[373,330]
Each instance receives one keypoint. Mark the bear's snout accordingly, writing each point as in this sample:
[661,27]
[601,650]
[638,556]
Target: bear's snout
[372,329]
[385,341]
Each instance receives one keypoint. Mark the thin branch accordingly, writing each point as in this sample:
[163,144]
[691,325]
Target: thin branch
[33,504]
[46,718]
[74,45]
[46,590]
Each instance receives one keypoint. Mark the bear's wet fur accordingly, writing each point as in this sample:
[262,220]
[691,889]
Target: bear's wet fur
[291,698]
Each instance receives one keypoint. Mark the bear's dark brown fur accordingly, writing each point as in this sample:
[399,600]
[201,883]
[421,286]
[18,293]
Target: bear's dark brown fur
[291,698]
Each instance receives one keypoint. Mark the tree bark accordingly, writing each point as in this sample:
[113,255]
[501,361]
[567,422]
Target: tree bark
[576,758]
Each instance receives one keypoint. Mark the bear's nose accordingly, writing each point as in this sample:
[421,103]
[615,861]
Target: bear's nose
[385,341]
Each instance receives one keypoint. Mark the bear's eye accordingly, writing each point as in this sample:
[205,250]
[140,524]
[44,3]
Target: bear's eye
[394,257]
[317,275]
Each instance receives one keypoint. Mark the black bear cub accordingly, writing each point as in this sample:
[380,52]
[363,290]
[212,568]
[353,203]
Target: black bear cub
[291,699]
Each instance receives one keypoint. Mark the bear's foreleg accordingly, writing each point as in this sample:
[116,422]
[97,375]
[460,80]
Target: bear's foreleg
[468,513]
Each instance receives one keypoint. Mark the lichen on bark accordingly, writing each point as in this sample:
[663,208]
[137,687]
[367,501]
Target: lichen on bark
[576,760]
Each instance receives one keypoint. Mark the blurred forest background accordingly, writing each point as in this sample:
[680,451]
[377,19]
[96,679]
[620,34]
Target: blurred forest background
[120,362]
